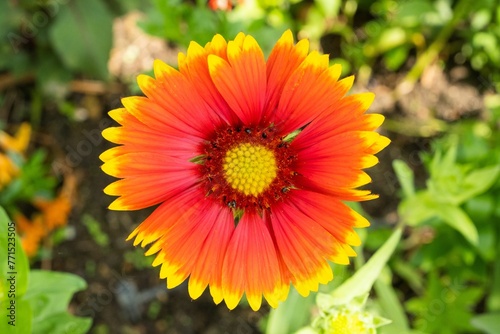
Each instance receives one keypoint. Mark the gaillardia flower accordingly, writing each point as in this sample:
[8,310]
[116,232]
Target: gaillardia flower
[248,161]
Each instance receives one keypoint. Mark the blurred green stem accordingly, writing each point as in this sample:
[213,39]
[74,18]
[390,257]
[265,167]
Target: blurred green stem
[429,55]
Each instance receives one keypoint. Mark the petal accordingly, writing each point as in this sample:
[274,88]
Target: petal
[344,193]
[336,163]
[337,218]
[304,246]
[311,89]
[195,67]
[191,240]
[251,265]
[164,217]
[283,60]
[147,179]
[174,93]
[140,163]
[140,139]
[208,267]
[241,79]
[344,116]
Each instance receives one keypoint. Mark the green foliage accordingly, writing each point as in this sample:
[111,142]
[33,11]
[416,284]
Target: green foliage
[364,278]
[459,203]
[94,228]
[39,298]
[34,180]
[445,306]
[291,315]
[450,185]
[14,280]
[172,20]
[81,37]
[54,41]
[489,323]
[49,294]
[482,39]
[182,22]
[137,259]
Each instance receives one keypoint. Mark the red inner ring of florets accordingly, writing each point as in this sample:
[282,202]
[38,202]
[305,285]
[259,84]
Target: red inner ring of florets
[212,172]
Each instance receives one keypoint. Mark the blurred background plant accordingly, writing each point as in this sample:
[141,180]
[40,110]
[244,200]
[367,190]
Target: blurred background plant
[40,297]
[435,68]
[28,186]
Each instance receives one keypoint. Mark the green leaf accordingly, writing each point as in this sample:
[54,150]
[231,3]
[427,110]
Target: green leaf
[13,261]
[330,8]
[405,177]
[395,58]
[460,221]
[409,273]
[291,315]
[481,19]
[488,322]
[411,12]
[306,330]
[362,281]
[493,300]
[391,38]
[203,25]
[418,209]
[82,36]
[18,321]
[62,323]
[14,272]
[391,306]
[446,307]
[94,228]
[477,182]
[50,292]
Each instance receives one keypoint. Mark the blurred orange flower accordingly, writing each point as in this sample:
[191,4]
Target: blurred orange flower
[52,213]
[32,232]
[17,144]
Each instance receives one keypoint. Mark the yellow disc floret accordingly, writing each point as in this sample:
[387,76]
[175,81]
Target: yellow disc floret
[249,168]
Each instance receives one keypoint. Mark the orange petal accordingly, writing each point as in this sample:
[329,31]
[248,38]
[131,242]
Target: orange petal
[241,79]
[176,103]
[196,69]
[208,267]
[283,60]
[251,265]
[304,246]
[182,244]
[146,190]
[312,81]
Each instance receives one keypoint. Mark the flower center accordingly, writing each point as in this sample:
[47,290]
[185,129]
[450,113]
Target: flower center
[249,168]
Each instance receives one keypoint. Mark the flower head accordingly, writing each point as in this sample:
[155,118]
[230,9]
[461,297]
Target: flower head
[249,161]
[346,318]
